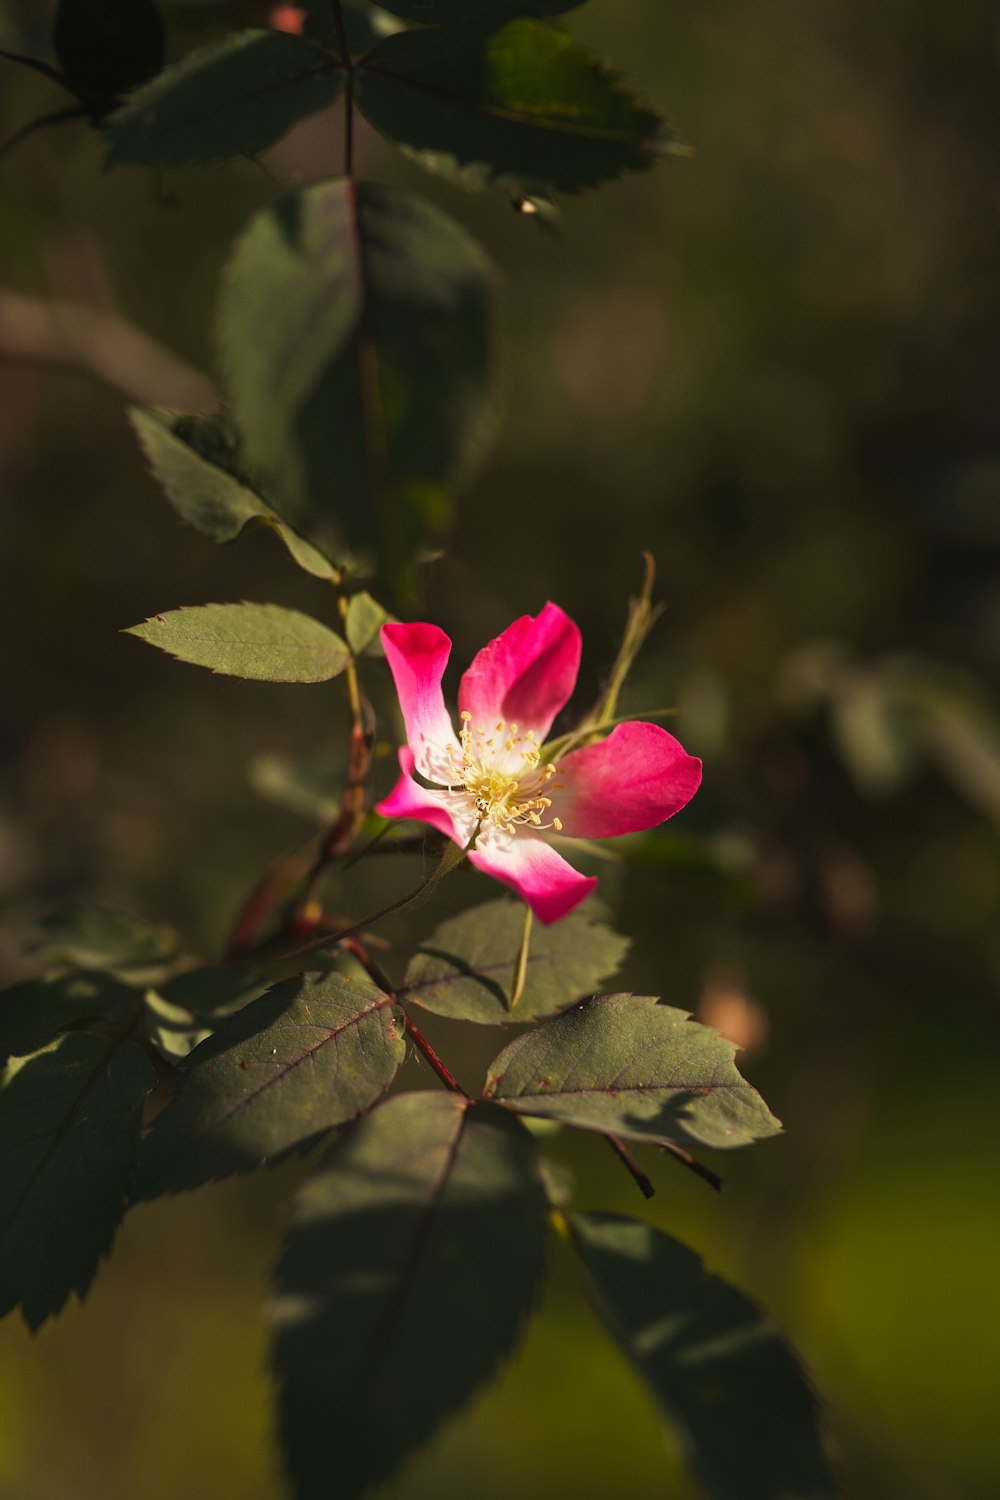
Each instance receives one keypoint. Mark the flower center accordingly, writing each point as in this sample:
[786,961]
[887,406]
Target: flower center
[502,774]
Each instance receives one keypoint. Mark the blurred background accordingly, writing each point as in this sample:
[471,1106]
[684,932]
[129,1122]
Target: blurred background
[774,365]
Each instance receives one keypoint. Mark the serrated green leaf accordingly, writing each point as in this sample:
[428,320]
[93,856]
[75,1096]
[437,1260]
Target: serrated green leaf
[476,13]
[311,785]
[36,1010]
[70,1117]
[234,97]
[372,393]
[628,1065]
[415,1258]
[263,642]
[719,1368]
[466,968]
[275,1076]
[365,618]
[87,935]
[186,1010]
[195,459]
[527,109]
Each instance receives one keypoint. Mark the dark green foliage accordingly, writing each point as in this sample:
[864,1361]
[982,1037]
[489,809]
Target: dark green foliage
[186,1009]
[107,47]
[87,935]
[416,1255]
[629,1065]
[525,109]
[372,393]
[718,1367]
[36,1010]
[70,1118]
[276,1075]
[261,641]
[234,97]
[196,460]
[478,13]
[466,968]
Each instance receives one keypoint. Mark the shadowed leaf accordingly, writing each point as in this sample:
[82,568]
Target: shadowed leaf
[629,1065]
[466,968]
[527,109]
[70,1118]
[233,97]
[478,13]
[186,1010]
[717,1366]
[107,47]
[278,1074]
[195,459]
[259,641]
[416,1256]
[371,394]
[34,1011]
[90,936]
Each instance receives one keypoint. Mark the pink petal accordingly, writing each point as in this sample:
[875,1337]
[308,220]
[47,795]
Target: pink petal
[526,675]
[541,877]
[417,656]
[408,799]
[636,778]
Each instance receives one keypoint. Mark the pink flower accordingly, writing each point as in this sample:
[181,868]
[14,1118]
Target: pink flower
[496,773]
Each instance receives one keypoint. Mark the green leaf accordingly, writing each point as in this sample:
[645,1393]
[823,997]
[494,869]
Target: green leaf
[416,1256]
[466,968]
[196,461]
[527,109]
[234,97]
[87,935]
[36,1010]
[364,24]
[716,1364]
[187,1009]
[260,641]
[372,392]
[477,13]
[275,1076]
[629,1065]
[365,618]
[70,1118]
[106,47]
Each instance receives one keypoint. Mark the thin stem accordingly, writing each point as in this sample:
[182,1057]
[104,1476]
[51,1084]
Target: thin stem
[345,58]
[693,1165]
[378,976]
[625,1156]
[521,970]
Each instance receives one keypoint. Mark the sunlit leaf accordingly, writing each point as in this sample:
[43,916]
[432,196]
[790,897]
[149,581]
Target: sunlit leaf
[629,1065]
[525,109]
[365,618]
[234,97]
[87,935]
[718,1367]
[263,642]
[36,1010]
[186,1010]
[276,1075]
[70,1118]
[195,459]
[371,394]
[466,968]
[415,1258]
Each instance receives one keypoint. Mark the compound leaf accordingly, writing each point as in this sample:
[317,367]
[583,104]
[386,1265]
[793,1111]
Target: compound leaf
[186,1010]
[371,394]
[275,1076]
[36,1010]
[720,1369]
[415,1258]
[233,97]
[628,1065]
[466,968]
[70,1118]
[263,642]
[527,109]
